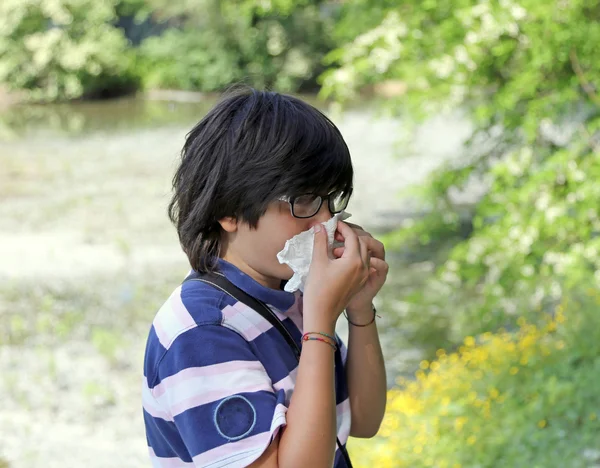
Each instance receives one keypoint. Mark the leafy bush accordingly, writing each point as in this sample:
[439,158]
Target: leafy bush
[62,49]
[523,399]
[535,232]
[66,49]
[526,74]
[275,44]
[189,60]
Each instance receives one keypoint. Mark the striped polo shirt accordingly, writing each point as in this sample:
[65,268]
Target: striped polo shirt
[218,378]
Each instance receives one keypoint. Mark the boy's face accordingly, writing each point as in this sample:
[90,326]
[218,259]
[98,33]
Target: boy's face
[254,251]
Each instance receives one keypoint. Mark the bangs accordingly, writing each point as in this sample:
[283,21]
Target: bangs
[319,161]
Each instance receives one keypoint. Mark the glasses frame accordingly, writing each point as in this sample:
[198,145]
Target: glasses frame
[290,201]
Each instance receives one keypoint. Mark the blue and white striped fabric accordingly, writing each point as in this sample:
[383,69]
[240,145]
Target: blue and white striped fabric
[218,377]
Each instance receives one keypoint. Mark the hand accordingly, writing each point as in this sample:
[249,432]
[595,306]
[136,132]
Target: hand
[333,282]
[378,270]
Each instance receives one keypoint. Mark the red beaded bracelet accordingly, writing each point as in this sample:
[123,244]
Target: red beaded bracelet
[319,333]
[306,337]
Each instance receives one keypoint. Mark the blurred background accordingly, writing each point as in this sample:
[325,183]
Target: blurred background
[474,127]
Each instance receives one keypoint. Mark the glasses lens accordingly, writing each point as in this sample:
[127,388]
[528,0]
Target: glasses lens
[338,201]
[306,206]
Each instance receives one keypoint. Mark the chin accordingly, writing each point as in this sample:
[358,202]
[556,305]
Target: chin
[286,273]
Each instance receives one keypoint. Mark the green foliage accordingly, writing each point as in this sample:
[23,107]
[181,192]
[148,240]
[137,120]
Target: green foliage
[184,60]
[62,49]
[65,49]
[526,74]
[275,44]
[107,342]
[519,399]
[473,54]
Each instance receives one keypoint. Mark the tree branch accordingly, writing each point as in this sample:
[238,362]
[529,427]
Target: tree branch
[585,84]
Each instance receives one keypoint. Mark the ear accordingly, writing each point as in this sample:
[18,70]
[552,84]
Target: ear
[229,224]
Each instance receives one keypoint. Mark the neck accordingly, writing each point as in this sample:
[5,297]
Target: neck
[268,281]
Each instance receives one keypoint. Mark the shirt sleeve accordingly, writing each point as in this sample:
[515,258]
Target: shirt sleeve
[343,349]
[220,397]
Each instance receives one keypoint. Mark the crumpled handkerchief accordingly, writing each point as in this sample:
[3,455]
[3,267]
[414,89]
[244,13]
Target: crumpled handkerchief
[298,251]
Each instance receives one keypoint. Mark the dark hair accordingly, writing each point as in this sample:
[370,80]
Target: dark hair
[251,148]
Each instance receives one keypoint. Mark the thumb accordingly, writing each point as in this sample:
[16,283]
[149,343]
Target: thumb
[320,252]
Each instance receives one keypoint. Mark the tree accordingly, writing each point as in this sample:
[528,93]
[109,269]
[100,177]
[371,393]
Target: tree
[526,73]
[62,49]
[276,44]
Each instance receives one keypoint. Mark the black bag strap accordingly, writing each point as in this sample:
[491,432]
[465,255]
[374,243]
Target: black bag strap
[219,281]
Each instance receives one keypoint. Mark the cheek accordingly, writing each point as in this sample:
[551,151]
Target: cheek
[275,238]
[262,245]
[278,226]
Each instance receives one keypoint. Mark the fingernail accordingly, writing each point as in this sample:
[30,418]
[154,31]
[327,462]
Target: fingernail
[318,228]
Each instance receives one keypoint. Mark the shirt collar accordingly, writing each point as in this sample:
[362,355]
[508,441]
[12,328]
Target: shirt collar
[278,298]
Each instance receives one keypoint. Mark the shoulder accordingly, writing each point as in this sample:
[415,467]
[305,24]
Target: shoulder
[202,362]
[199,322]
[190,305]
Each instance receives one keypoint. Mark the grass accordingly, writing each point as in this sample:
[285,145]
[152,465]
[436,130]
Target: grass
[99,309]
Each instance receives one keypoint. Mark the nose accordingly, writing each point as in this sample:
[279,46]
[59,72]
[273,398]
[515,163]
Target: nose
[322,216]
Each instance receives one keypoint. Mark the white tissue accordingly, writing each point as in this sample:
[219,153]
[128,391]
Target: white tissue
[297,252]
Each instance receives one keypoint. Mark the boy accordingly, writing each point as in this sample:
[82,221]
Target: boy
[222,387]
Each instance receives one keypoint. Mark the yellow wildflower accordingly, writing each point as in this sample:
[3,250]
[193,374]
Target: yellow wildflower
[542,424]
[460,422]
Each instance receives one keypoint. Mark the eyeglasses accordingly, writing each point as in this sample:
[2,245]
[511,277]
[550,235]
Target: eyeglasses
[308,205]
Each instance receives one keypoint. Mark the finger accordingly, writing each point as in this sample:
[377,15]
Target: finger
[338,252]
[320,249]
[380,266]
[376,247]
[351,242]
[355,226]
[359,230]
[364,251]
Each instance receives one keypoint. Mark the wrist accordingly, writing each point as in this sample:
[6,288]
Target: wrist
[322,326]
[362,317]
[360,311]
[316,319]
